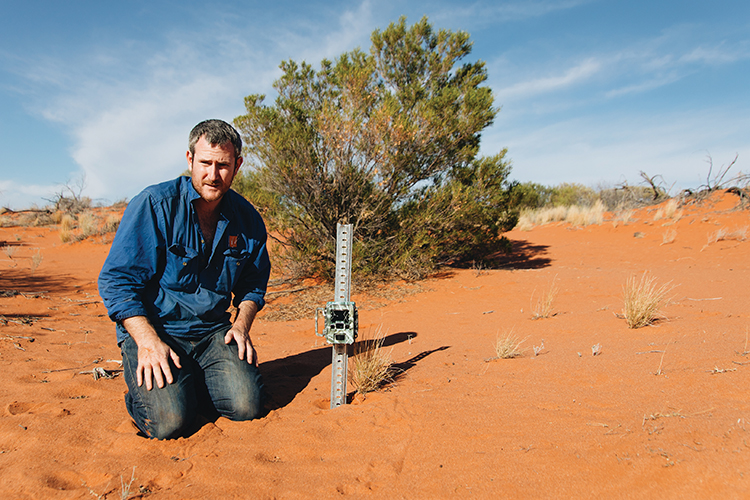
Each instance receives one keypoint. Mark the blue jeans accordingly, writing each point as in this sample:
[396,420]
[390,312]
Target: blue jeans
[213,381]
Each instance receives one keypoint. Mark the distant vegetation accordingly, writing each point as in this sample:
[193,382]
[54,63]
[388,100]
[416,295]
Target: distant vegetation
[74,215]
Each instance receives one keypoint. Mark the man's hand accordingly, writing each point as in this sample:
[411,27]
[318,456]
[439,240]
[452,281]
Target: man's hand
[153,353]
[240,331]
[153,363]
[244,345]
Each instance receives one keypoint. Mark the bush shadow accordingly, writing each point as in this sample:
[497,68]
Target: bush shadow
[524,255]
[23,281]
[284,378]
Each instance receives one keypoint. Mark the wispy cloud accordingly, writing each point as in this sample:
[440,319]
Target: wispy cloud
[615,147]
[129,116]
[481,13]
[577,74]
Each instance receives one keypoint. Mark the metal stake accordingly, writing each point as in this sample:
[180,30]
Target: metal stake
[340,355]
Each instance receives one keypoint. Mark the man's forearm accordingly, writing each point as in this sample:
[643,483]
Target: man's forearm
[140,328]
[245,316]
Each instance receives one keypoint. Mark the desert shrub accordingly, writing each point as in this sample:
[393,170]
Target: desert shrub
[530,195]
[572,195]
[388,142]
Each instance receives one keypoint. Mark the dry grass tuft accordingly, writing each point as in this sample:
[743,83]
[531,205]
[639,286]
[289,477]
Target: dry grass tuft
[10,251]
[89,224]
[575,215]
[371,368]
[66,228]
[644,300]
[508,347]
[36,259]
[543,308]
[724,234]
[622,216]
[668,237]
[111,224]
[669,211]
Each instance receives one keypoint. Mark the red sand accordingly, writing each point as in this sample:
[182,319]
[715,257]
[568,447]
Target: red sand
[563,423]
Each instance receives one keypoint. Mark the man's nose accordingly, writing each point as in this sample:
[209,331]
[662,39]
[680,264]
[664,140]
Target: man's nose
[213,172]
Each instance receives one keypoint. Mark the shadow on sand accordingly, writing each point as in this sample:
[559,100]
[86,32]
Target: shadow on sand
[284,378]
[22,280]
[524,255]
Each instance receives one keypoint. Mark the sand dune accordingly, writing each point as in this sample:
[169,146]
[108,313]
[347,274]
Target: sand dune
[662,411]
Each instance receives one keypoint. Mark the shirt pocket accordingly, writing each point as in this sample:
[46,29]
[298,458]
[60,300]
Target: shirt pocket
[234,262]
[182,269]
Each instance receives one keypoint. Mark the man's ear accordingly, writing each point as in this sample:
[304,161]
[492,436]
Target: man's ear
[189,160]
[238,165]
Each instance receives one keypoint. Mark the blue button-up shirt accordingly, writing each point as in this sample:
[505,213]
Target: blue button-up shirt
[160,267]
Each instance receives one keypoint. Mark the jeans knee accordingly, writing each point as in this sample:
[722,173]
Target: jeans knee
[241,405]
[168,424]
[161,419]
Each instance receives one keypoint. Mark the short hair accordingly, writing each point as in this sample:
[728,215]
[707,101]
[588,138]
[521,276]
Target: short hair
[217,132]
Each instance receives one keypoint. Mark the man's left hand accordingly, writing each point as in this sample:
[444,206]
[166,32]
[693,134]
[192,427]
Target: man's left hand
[244,345]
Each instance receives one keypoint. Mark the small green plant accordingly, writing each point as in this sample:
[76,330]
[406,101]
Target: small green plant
[371,367]
[643,300]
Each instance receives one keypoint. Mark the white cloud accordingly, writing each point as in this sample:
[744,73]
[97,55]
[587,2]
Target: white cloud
[579,73]
[130,115]
[613,148]
[15,196]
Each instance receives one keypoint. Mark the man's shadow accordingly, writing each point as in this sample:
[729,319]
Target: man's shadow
[284,378]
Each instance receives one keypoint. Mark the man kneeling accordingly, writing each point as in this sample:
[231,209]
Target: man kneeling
[185,249]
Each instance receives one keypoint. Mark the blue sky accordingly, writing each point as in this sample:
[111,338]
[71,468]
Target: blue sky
[591,91]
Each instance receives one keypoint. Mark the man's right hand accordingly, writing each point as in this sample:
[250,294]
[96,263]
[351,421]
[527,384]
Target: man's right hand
[153,353]
[153,363]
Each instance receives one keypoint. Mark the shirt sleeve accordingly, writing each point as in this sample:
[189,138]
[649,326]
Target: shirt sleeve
[254,277]
[132,261]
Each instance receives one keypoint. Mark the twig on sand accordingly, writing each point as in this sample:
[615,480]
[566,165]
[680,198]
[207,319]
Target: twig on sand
[100,372]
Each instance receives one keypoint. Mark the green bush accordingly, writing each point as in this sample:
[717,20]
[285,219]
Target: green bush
[385,141]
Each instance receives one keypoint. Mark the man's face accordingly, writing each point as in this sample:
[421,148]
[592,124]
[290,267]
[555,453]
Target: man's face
[212,169]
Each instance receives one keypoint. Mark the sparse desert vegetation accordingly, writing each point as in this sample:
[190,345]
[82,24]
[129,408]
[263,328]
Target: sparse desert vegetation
[578,382]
